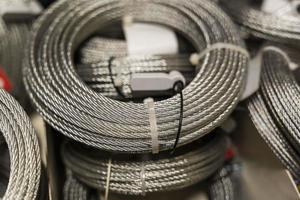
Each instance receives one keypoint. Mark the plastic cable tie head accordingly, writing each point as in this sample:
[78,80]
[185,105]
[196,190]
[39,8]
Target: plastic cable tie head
[153,124]
[292,65]
[194,59]
[107,179]
[127,20]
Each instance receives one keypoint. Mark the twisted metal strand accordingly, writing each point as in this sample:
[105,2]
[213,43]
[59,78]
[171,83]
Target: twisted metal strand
[13,39]
[136,177]
[274,110]
[282,29]
[74,190]
[225,183]
[89,117]
[25,166]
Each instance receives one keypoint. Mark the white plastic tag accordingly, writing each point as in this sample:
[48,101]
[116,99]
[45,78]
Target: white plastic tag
[253,77]
[14,8]
[150,39]
[281,7]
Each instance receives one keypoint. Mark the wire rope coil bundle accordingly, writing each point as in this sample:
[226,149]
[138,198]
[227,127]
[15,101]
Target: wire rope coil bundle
[80,113]
[274,109]
[282,29]
[225,183]
[137,176]
[22,143]
[13,38]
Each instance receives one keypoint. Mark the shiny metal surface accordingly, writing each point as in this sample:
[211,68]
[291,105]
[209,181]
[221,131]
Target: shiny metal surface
[25,166]
[282,29]
[274,110]
[13,38]
[132,175]
[226,183]
[80,113]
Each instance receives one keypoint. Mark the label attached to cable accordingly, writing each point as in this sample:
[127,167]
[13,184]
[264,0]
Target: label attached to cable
[150,39]
[19,10]
[281,7]
[253,77]
[4,81]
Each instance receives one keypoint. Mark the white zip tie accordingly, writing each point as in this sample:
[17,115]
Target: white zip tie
[143,176]
[293,66]
[107,179]
[153,124]
[196,57]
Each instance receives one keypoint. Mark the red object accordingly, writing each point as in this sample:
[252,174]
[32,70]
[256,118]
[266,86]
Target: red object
[229,154]
[4,80]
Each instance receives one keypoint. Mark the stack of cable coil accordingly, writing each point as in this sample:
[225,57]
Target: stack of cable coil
[278,28]
[137,176]
[23,148]
[274,109]
[77,111]
[13,38]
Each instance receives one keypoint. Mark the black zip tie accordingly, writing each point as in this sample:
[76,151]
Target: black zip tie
[178,89]
[118,90]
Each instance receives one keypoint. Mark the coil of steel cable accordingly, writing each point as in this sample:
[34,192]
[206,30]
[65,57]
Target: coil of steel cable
[283,28]
[225,183]
[274,109]
[13,39]
[74,190]
[136,176]
[77,111]
[22,143]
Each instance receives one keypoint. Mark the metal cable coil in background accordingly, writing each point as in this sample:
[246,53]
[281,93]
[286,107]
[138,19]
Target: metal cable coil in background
[225,183]
[132,176]
[22,142]
[13,39]
[80,113]
[74,190]
[274,110]
[282,29]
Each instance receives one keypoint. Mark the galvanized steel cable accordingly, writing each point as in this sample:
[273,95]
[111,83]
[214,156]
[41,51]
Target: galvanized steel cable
[74,190]
[274,110]
[225,185]
[137,176]
[77,111]
[13,38]
[282,29]
[22,143]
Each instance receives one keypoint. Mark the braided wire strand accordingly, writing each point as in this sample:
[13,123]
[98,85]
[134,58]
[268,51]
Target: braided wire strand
[80,113]
[135,177]
[274,110]
[13,39]
[282,29]
[225,183]
[25,166]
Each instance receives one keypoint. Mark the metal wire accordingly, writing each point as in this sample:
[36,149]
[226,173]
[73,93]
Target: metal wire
[275,110]
[225,184]
[25,166]
[74,190]
[80,113]
[282,29]
[13,38]
[135,176]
